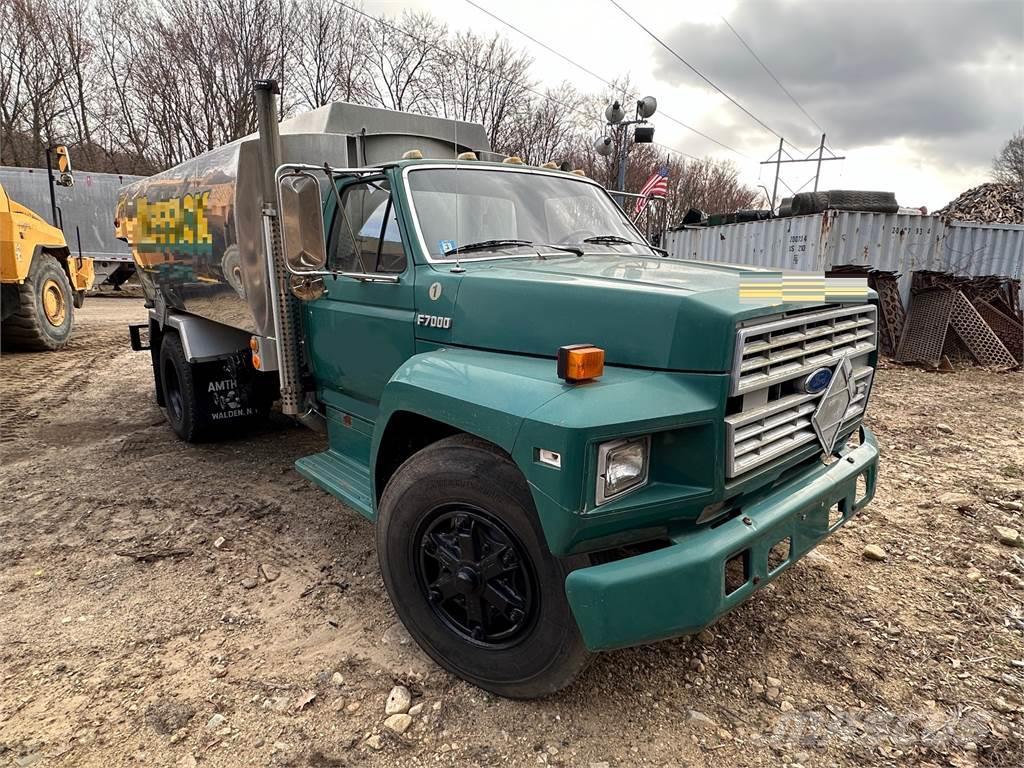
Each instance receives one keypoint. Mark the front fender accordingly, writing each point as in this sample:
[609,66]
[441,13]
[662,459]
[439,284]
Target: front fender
[519,404]
[683,414]
[486,394]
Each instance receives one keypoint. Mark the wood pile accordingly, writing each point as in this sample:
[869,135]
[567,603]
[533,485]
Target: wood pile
[987,204]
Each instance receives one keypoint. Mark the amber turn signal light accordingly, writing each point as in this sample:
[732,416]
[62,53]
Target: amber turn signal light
[256,362]
[580,362]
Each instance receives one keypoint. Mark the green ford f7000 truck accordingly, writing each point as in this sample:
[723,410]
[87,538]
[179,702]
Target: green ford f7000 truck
[567,442]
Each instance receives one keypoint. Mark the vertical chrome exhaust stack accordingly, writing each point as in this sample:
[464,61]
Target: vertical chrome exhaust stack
[285,320]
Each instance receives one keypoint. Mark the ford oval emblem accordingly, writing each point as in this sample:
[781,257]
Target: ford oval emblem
[816,381]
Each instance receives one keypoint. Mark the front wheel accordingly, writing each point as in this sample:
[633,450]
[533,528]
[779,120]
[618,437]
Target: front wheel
[45,312]
[465,563]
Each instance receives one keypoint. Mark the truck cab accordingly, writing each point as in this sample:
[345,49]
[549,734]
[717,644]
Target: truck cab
[567,442]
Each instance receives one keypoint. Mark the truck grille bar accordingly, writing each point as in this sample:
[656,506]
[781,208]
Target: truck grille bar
[781,350]
[763,434]
[770,416]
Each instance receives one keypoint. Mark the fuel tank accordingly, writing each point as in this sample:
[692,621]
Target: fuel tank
[195,230]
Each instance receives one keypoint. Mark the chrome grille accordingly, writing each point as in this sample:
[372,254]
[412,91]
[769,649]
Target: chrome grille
[760,435]
[777,351]
[772,356]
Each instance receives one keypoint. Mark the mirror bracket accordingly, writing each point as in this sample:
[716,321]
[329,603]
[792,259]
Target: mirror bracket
[301,215]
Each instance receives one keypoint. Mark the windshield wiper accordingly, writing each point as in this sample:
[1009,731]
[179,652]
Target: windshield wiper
[612,239]
[619,240]
[484,245]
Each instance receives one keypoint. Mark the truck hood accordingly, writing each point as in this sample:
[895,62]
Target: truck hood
[650,312]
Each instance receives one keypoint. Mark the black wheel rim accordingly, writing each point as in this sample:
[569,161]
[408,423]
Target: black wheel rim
[175,403]
[475,576]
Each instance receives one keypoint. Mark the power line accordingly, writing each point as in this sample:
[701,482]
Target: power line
[598,77]
[772,75]
[702,76]
[491,72]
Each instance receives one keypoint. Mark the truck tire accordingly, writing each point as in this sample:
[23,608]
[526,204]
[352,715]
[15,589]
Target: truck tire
[465,562]
[45,314]
[860,200]
[180,397]
[806,203]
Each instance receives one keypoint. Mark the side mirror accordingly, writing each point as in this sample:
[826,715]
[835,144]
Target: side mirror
[302,222]
[64,165]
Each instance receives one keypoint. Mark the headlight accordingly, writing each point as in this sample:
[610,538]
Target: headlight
[621,466]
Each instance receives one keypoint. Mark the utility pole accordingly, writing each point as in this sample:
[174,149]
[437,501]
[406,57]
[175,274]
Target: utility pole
[817,156]
[817,170]
[778,163]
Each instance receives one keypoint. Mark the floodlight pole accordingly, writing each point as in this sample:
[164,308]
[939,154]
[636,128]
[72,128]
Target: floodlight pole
[620,182]
[620,175]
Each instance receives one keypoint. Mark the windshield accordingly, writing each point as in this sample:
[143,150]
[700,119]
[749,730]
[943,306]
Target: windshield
[460,207]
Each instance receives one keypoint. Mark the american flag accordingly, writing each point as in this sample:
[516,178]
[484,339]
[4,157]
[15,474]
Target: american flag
[656,186]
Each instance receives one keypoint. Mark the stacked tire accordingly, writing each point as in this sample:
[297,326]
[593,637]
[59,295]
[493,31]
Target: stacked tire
[806,203]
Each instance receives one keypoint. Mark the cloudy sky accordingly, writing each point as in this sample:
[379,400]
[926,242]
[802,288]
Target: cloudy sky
[918,94]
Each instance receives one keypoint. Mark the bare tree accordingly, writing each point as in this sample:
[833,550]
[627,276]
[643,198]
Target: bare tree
[32,78]
[404,52]
[483,80]
[330,60]
[140,85]
[707,184]
[1008,165]
[550,129]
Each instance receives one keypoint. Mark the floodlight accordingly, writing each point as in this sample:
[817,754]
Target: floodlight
[614,113]
[647,106]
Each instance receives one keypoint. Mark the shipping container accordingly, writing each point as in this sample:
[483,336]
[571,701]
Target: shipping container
[820,242]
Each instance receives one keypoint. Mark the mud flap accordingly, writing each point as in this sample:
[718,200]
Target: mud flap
[229,390]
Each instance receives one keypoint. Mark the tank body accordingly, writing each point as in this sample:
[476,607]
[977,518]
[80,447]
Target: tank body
[196,231]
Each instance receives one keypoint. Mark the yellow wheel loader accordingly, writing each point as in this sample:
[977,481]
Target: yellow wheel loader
[41,282]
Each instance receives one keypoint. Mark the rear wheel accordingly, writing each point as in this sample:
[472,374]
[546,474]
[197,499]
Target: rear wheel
[178,384]
[45,314]
[465,563]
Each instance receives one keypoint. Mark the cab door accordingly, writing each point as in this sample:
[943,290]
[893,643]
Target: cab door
[363,329]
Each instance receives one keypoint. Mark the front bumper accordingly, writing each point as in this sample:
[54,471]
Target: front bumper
[681,588]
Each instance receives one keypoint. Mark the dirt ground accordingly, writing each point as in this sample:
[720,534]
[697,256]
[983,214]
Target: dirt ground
[107,660]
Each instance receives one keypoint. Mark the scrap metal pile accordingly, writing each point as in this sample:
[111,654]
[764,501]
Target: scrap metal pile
[988,204]
[961,319]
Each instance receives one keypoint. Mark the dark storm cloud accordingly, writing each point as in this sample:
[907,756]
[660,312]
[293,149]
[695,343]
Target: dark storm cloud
[940,72]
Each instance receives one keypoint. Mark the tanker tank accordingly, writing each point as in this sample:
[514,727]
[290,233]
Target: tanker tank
[195,230]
